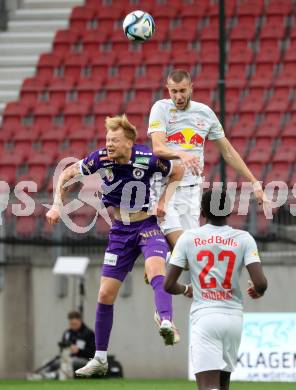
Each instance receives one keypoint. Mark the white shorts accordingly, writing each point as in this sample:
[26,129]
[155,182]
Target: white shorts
[183,209]
[214,342]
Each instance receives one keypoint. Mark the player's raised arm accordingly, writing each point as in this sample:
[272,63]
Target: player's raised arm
[232,158]
[53,215]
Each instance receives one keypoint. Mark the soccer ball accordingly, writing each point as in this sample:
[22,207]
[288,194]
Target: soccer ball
[138,26]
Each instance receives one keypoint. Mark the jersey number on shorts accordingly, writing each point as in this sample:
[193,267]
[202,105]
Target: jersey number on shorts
[212,282]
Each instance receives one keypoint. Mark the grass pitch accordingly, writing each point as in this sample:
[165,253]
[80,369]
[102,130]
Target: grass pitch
[133,385]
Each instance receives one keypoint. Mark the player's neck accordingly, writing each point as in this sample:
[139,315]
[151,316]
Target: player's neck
[124,159]
[217,223]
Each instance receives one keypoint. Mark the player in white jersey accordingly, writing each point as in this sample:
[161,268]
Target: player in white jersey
[178,128]
[216,254]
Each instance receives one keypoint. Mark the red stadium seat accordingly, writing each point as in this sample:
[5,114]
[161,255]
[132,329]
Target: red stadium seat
[162,11]
[185,59]
[67,41]
[242,33]
[82,138]
[105,108]
[269,52]
[15,111]
[250,8]
[74,63]
[278,172]
[263,76]
[44,113]
[58,90]
[279,7]
[92,39]
[286,77]
[241,55]
[75,111]
[138,107]
[259,155]
[284,154]
[32,89]
[47,64]
[193,12]
[243,129]
[88,89]
[253,102]
[80,16]
[53,138]
[135,59]
[183,33]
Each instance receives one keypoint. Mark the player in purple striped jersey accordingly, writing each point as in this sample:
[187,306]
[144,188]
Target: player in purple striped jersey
[126,170]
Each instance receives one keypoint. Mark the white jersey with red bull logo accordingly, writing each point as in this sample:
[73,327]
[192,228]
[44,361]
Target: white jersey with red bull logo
[186,130]
[216,256]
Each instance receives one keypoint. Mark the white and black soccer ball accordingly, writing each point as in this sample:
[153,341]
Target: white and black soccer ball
[138,26]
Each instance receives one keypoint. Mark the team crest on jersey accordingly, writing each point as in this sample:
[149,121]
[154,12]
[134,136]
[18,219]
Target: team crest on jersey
[138,173]
[109,174]
[200,123]
[173,117]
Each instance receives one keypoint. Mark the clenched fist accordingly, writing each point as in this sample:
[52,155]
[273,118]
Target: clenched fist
[53,215]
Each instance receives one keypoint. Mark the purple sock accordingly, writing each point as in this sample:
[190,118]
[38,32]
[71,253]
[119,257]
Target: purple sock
[163,300]
[103,326]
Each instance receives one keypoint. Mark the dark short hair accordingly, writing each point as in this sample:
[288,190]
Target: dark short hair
[179,75]
[74,315]
[216,204]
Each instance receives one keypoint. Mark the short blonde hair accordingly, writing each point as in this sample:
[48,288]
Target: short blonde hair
[114,122]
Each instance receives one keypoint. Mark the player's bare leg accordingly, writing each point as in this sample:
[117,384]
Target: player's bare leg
[108,291]
[208,380]
[172,237]
[224,380]
[155,269]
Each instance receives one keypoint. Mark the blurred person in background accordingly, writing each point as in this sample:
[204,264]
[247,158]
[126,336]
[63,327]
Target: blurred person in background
[77,347]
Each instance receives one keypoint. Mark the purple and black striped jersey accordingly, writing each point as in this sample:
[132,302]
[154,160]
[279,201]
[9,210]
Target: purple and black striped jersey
[126,185]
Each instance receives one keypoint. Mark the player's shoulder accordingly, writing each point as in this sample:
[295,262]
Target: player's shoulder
[241,234]
[164,104]
[194,105]
[142,150]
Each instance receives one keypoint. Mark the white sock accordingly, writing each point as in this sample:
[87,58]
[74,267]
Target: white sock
[102,355]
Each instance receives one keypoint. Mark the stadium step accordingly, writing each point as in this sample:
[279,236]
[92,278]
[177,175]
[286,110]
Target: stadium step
[18,60]
[6,96]
[9,85]
[31,29]
[26,37]
[42,14]
[36,26]
[11,49]
[18,73]
[40,4]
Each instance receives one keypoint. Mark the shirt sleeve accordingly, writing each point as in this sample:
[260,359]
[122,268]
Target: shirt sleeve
[156,119]
[216,129]
[90,164]
[251,254]
[160,165]
[179,256]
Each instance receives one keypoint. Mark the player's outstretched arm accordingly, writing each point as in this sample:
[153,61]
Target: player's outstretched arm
[232,158]
[171,284]
[258,283]
[161,150]
[54,213]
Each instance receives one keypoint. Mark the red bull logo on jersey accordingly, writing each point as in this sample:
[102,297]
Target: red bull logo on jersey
[186,138]
[215,240]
